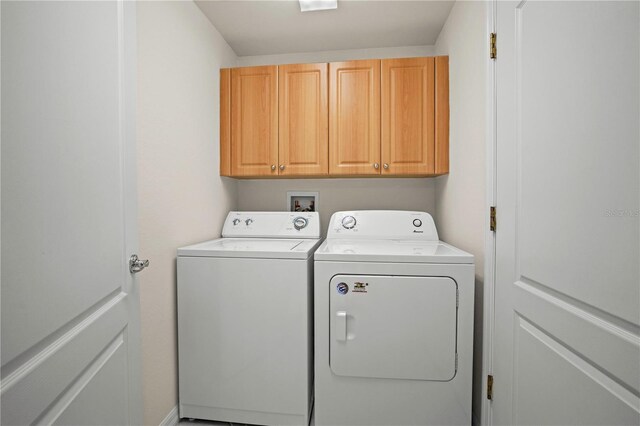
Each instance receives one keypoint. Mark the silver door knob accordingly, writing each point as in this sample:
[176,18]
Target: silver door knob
[136,265]
[281,166]
[386,166]
[273,167]
[376,166]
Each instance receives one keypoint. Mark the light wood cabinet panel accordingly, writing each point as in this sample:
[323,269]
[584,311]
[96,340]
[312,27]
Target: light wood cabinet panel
[254,121]
[225,122]
[303,120]
[408,116]
[442,115]
[354,118]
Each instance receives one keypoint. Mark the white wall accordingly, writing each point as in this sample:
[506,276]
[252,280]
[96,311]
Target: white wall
[340,194]
[460,196]
[337,55]
[182,198]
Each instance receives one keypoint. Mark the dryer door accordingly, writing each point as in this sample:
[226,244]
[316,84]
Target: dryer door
[396,327]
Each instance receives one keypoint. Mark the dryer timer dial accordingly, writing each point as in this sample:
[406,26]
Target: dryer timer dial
[348,222]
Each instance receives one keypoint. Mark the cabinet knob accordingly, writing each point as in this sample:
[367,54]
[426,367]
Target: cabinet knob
[273,167]
[281,166]
[376,166]
[386,166]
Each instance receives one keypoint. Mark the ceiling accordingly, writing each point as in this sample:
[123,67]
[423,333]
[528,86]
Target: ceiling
[276,27]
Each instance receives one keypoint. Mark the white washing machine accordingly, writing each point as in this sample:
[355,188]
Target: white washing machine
[245,320]
[393,323]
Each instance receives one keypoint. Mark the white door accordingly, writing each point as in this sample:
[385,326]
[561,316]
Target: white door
[567,300]
[70,327]
[394,327]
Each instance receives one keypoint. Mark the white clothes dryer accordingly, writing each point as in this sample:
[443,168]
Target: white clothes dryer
[393,323]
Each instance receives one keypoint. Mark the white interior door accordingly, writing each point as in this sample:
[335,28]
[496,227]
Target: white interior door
[70,327]
[567,314]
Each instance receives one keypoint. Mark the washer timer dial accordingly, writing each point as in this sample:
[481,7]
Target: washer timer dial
[348,222]
[300,223]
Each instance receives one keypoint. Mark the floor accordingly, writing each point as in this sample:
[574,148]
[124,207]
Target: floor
[186,422]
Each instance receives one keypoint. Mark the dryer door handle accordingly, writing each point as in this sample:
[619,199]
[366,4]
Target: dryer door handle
[340,330]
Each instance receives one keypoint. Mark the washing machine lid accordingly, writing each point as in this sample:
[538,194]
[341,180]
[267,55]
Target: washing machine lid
[267,248]
[395,251]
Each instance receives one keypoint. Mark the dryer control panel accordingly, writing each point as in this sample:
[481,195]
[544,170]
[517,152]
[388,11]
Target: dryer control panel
[272,225]
[383,225]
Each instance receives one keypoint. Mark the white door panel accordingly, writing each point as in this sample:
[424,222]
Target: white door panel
[578,140]
[567,297]
[70,332]
[397,327]
[88,406]
[589,397]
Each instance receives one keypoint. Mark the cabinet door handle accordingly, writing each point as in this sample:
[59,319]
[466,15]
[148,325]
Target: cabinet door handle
[386,166]
[273,167]
[281,166]
[376,166]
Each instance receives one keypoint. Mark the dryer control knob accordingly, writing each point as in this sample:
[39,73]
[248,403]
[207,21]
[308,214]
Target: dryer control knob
[348,222]
[417,223]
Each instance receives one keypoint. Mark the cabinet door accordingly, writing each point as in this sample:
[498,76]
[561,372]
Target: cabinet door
[408,116]
[254,121]
[303,139]
[225,122]
[354,118]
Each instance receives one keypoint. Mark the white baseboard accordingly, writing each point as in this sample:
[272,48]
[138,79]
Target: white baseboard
[172,418]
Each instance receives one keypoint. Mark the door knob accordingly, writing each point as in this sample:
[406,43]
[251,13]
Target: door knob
[376,166]
[386,166]
[281,166]
[136,265]
[273,167]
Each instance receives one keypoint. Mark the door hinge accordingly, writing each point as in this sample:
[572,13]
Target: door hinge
[492,218]
[493,50]
[489,387]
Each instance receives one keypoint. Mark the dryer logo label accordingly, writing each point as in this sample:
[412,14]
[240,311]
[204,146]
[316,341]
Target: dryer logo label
[359,287]
[342,288]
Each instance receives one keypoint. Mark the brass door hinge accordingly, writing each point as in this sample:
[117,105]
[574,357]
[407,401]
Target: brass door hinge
[493,50]
[490,387]
[492,218]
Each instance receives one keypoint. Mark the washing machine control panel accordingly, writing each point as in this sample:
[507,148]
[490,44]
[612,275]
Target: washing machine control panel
[383,224]
[272,225]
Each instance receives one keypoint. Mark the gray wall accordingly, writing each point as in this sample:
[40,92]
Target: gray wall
[341,194]
[182,198]
[460,195]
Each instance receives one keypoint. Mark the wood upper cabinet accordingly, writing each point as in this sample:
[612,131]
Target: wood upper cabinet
[354,118]
[254,121]
[442,115]
[225,122]
[408,116]
[385,117]
[303,120]
[408,99]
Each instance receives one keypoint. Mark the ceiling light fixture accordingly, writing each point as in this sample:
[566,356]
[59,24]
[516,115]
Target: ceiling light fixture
[312,5]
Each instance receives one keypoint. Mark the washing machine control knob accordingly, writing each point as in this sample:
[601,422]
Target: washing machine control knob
[248,222]
[236,221]
[348,222]
[300,222]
